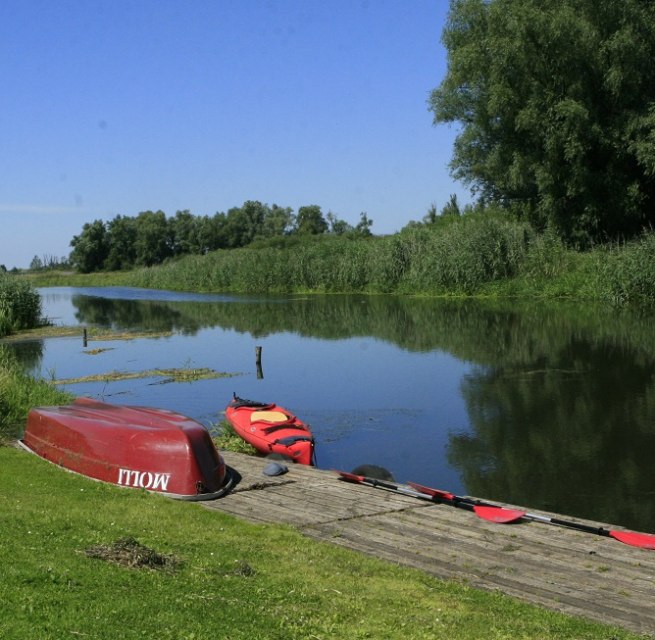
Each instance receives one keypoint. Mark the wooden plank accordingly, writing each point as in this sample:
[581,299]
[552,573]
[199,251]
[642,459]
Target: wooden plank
[556,567]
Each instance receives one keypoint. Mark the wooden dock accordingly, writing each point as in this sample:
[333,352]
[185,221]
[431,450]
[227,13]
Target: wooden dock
[559,568]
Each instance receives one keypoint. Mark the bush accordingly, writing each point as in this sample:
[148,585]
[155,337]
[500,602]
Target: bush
[626,274]
[464,254]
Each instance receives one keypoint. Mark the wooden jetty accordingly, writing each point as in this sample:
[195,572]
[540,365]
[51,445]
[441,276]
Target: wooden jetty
[581,574]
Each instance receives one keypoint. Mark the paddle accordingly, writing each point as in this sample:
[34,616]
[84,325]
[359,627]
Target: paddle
[496,513]
[502,515]
[381,484]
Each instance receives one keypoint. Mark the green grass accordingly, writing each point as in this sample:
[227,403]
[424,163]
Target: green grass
[226,578]
[19,393]
[20,305]
[227,439]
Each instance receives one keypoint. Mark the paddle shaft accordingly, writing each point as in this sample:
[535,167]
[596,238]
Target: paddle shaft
[451,498]
[389,486]
[458,500]
[495,513]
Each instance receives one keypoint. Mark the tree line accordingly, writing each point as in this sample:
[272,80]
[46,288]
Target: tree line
[151,237]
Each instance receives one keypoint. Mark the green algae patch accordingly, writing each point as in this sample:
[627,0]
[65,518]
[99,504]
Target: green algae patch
[165,375]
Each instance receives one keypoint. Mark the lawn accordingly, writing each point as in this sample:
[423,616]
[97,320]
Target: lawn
[81,559]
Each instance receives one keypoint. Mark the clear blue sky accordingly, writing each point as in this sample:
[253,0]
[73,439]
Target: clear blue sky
[119,106]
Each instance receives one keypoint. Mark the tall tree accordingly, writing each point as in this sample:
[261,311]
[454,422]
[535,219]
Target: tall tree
[90,248]
[363,227]
[337,226]
[278,221]
[556,102]
[153,238]
[185,233]
[121,238]
[310,220]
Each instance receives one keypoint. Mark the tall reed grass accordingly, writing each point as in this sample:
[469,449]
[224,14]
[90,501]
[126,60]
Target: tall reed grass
[452,258]
[478,254]
[19,393]
[20,305]
[626,273]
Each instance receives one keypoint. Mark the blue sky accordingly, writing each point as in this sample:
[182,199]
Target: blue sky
[119,106]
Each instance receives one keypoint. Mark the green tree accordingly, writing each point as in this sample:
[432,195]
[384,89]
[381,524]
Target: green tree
[253,215]
[432,215]
[338,227]
[121,238]
[363,227]
[278,221]
[185,233]
[235,229]
[451,208]
[90,248]
[310,220]
[556,103]
[153,238]
[211,233]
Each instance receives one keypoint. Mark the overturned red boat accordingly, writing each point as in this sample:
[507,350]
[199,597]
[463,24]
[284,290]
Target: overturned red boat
[271,429]
[141,447]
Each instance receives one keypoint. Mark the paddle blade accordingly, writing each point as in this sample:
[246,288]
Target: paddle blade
[351,477]
[500,515]
[643,540]
[435,493]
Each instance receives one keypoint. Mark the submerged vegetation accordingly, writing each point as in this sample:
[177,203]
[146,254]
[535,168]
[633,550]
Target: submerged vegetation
[166,375]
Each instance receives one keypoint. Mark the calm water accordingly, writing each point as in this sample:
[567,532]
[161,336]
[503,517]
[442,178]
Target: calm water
[547,406]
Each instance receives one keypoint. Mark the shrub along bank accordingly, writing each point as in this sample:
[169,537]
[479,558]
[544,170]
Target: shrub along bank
[470,255]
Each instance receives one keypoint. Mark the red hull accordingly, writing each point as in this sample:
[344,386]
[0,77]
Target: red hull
[138,447]
[271,429]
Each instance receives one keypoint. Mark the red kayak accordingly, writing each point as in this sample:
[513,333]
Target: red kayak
[271,429]
[138,447]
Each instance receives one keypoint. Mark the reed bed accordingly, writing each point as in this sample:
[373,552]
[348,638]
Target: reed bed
[19,393]
[456,258]
[20,305]
[479,254]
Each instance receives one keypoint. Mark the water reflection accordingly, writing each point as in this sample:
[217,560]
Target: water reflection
[549,406]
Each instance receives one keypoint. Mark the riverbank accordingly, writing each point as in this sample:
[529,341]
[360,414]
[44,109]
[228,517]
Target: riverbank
[220,566]
[71,570]
[474,256]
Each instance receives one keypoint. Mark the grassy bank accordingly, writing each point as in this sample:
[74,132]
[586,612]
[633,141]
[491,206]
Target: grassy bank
[473,255]
[19,393]
[20,305]
[85,559]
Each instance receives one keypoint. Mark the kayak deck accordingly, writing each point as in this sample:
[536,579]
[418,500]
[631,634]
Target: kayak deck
[270,428]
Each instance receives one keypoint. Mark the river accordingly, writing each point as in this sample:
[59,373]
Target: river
[549,406]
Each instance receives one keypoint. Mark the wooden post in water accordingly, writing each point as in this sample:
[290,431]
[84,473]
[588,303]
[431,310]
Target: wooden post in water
[84,338]
[258,362]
